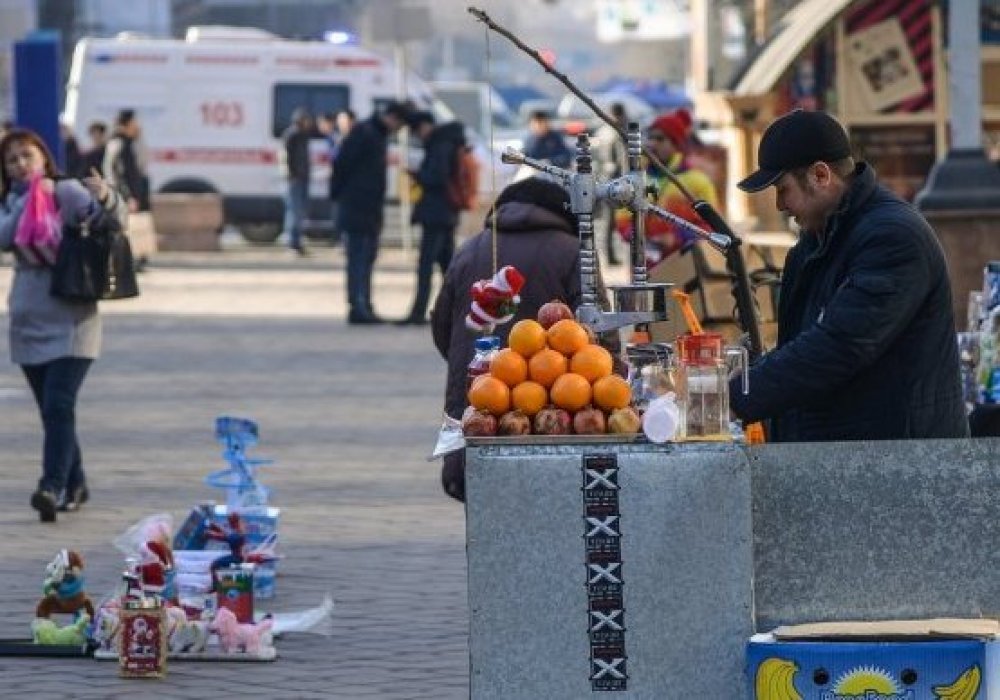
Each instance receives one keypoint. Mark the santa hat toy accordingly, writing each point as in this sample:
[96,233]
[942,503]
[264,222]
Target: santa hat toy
[157,568]
[494,301]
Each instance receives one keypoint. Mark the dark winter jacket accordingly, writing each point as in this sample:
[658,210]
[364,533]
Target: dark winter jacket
[551,147]
[123,172]
[296,141]
[434,208]
[359,177]
[866,335]
[541,245]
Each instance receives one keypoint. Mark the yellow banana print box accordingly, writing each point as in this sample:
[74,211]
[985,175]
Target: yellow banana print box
[953,669]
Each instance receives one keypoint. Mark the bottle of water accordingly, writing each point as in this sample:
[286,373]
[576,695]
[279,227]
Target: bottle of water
[486,349]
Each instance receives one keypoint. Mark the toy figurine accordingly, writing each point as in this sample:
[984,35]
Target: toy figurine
[494,301]
[63,587]
[234,636]
[156,572]
[184,635]
[45,631]
[235,538]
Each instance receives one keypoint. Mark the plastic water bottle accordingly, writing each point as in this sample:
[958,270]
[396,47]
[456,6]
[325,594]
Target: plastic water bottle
[486,349]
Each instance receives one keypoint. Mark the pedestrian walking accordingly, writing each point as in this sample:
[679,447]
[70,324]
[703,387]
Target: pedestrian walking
[71,150]
[536,234]
[296,166]
[93,158]
[54,341]
[125,161]
[544,143]
[612,157]
[435,212]
[358,186]
[866,334]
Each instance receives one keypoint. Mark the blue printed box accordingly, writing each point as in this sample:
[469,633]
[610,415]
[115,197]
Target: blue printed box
[925,669]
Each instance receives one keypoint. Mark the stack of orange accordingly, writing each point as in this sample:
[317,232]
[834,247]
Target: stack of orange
[558,366]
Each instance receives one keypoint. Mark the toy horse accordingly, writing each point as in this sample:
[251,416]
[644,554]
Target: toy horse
[45,631]
[234,636]
[63,587]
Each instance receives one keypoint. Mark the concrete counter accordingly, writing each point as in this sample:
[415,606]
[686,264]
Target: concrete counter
[696,546]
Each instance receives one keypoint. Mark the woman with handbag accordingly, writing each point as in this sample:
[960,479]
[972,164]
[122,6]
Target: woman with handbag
[54,341]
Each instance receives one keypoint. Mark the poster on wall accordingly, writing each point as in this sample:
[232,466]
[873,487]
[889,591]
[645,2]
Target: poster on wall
[882,65]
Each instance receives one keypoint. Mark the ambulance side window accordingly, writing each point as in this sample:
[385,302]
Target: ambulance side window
[317,98]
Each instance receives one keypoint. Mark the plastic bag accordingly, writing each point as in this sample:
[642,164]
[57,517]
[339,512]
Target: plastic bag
[318,620]
[153,528]
[450,438]
[39,230]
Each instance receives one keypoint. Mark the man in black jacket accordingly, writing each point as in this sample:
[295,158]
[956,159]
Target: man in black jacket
[358,184]
[435,212]
[866,335]
[296,167]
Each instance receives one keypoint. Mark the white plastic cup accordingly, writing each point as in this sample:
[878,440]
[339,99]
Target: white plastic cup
[660,421]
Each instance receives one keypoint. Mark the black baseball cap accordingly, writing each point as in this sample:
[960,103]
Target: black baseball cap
[795,140]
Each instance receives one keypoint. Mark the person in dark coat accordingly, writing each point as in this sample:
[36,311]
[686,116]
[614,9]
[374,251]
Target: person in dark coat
[124,161]
[435,212]
[866,335]
[296,167]
[545,144]
[358,185]
[538,236]
[93,158]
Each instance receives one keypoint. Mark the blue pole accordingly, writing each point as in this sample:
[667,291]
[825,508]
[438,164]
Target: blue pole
[38,88]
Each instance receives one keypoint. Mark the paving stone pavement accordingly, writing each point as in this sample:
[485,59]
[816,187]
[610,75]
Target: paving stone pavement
[349,413]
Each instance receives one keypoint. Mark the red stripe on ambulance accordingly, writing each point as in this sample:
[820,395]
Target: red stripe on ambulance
[225,156]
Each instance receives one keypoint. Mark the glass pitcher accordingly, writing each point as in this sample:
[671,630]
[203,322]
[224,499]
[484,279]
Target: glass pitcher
[702,377]
[649,373]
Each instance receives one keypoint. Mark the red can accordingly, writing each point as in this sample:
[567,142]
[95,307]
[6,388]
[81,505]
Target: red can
[234,590]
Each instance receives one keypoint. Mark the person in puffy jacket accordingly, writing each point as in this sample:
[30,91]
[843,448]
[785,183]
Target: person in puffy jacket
[54,341]
[866,335]
[537,234]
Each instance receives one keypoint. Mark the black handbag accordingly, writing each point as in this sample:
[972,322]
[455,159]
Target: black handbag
[94,262]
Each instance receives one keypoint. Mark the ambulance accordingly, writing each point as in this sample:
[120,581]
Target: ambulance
[213,106]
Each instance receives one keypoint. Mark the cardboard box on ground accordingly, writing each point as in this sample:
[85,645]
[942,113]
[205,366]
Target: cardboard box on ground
[888,660]
[700,271]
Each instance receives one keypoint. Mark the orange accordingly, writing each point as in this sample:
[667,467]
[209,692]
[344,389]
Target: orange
[509,367]
[612,392]
[490,394]
[527,337]
[567,336]
[545,366]
[592,362]
[571,391]
[529,397]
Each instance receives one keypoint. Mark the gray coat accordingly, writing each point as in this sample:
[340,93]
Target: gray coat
[42,327]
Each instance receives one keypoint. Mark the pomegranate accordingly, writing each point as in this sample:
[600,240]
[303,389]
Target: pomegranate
[624,420]
[589,421]
[479,424]
[553,421]
[514,423]
[553,312]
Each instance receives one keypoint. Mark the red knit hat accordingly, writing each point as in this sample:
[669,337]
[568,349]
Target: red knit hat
[675,125]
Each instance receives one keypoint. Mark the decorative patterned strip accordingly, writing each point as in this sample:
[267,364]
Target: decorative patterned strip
[605,603]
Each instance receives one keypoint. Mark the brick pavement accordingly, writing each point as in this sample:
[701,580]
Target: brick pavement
[349,413]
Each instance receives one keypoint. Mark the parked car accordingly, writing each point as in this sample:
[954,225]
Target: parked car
[573,116]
